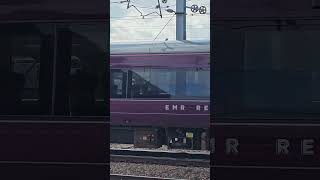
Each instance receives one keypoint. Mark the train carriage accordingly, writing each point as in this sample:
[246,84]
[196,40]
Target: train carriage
[161,91]
[54,121]
[265,118]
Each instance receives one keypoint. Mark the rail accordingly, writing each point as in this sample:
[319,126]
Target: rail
[129,177]
[193,159]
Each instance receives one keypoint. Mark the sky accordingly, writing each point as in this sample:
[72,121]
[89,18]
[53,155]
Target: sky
[127,25]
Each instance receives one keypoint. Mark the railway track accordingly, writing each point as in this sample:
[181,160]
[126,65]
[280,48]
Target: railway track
[128,177]
[160,157]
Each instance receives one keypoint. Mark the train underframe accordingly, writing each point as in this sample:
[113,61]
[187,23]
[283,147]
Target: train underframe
[155,137]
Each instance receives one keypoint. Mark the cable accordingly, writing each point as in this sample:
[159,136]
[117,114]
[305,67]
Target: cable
[171,25]
[133,16]
[150,17]
[129,19]
[142,7]
[162,3]
[146,7]
[169,37]
[143,15]
[118,2]
[192,14]
[129,27]
[164,27]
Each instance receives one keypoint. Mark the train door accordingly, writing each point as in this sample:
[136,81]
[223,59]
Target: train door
[80,87]
[118,95]
[118,87]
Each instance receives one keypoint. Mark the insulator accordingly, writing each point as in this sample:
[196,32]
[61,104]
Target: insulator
[194,8]
[202,10]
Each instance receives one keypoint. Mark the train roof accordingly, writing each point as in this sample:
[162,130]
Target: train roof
[160,47]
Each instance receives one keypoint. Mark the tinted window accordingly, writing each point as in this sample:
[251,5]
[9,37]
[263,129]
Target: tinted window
[81,82]
[198,83]
[118,83]
[282,71]
[169,83]
[30,67]
[279,72]
[25,69]
[33,79]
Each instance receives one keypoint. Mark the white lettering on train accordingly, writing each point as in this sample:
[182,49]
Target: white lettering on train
[282,146]
[307,146]
[232,146]
[182,107]
[174,107]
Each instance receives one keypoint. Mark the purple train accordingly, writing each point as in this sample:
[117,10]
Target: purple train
[161,92]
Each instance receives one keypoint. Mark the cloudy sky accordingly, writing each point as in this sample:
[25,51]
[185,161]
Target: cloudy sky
[128,24]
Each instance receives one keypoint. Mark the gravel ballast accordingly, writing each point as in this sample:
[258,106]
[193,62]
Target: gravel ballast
[163,171]
[159,170]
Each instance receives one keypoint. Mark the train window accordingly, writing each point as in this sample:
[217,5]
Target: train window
[152,83]
[118,83]
[25,70]
[169,83]
[80,85]
[283,75]
[280,72]
[30,68]
[198,83]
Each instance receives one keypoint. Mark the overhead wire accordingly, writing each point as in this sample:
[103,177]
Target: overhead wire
[174,4]
[151,28]
[164,26]
[150,16]
[169,37]
[143,7]
[143,15]
[129,19]
[169,25]
[147,7]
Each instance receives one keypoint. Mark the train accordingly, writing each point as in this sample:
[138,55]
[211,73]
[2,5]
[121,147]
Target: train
[160,92]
